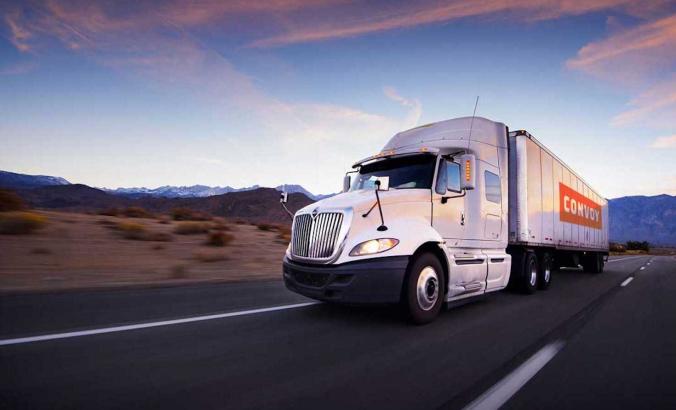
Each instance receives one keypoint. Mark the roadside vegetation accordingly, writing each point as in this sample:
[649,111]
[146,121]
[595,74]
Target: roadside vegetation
[21,222]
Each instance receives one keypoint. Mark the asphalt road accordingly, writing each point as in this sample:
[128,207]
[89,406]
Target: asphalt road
[587,342]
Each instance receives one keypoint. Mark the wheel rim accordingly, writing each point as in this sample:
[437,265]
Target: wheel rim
[533,274]
[548,272]
[427,290]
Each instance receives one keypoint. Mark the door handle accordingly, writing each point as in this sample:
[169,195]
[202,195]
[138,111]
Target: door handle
[462,218]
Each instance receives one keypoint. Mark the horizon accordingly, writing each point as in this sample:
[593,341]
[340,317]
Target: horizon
[240,94]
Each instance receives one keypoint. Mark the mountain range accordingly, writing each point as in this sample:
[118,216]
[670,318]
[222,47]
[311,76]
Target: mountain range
[635,218]
[11,180]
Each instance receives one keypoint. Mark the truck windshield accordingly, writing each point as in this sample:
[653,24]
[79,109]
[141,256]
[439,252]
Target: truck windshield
[410,172]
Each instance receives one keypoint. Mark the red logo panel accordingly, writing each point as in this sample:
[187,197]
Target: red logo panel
[578,209]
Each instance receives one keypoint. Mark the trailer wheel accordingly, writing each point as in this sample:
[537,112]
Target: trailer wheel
[530,273]
[424,293]
[545,271]
[593,262]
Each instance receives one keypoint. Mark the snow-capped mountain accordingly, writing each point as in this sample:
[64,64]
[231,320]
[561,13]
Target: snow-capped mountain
[22,181]
[201,191]
[169,191]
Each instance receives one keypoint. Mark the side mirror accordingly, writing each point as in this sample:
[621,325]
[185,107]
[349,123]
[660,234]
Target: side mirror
[347,182]
[382,183]
[284,197]
[468,177]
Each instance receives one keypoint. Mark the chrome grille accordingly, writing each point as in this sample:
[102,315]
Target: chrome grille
[316,238]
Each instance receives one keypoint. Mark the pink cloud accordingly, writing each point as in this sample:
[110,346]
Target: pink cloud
[412,14]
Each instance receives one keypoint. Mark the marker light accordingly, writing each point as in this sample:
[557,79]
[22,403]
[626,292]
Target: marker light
[374,246]
[468,170]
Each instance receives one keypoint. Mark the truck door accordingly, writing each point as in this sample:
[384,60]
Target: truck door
[448,203]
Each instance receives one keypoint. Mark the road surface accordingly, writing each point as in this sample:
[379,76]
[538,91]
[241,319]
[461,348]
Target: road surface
[590,341]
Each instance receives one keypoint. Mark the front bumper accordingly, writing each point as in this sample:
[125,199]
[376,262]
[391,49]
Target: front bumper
[369,281]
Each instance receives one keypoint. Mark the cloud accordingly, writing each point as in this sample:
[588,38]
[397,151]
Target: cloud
[415,112]
[632,53]
[655,107]
[402,15]
[640,59]
[18,68]
[664,142]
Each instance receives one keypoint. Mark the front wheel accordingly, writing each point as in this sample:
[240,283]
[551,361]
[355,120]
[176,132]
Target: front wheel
[425,286]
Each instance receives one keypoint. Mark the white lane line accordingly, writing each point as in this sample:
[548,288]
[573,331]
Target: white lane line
[642,268]
[623,259]
[498,395]
[626,281]
[41,338]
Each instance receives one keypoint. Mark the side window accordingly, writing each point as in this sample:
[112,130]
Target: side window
[492,187]
[453,176]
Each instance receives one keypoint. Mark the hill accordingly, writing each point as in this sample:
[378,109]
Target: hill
[12,180]
[643,218]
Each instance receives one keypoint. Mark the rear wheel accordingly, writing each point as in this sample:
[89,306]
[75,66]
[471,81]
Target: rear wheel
[424,294]
[593,262]
[545,271]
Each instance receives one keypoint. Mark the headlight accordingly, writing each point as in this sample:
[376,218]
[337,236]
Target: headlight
[374,246]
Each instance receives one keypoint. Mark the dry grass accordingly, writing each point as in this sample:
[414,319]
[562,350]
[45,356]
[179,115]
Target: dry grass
[10,201]
[284,234]
[178,272]
[204,256]
[192,228]
[267,227]
[92,254]
[187,214]
[20,222]
[136,212]
[219,238]
[138,232]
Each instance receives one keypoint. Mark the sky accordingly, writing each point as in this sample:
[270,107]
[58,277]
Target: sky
[131,94]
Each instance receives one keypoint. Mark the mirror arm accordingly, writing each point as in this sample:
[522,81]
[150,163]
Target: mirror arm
[445,199]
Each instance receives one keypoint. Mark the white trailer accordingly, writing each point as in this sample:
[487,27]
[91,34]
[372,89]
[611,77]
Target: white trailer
[447,212]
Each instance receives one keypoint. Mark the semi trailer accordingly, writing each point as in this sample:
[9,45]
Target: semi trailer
[444,213]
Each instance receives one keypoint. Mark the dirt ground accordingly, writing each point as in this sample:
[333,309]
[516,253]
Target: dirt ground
[87,251]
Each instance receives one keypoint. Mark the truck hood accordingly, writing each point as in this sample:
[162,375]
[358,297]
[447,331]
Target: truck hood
[363,200]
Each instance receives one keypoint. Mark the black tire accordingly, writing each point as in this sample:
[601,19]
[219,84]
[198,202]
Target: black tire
[529,282]
[424,307]
[521,279]
[545,271]
[593,262]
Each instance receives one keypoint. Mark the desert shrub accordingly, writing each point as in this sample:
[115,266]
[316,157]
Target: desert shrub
[164,220]
[106,222]
[240,222]
[157,247]
[267,227]
[20,222]
[220,225]
[219,238]
[41,251]
[136,212]
[638,246]
[203,256]
[284,234]
[136,231]
[110,212]
[187,214]
[159,237]
[131,230]
[10,201]
[192,228]
[617,247]
[178,272]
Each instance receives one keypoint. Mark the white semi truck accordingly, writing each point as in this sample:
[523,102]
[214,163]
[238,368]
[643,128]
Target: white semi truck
[446,212]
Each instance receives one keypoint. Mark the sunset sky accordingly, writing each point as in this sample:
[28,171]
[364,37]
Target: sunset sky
[142,93]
